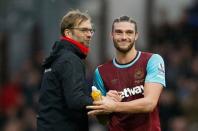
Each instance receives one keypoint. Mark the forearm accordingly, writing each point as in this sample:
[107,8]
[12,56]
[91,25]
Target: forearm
[142,105]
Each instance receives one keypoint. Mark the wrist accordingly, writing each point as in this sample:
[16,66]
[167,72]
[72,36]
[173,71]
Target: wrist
[116,107]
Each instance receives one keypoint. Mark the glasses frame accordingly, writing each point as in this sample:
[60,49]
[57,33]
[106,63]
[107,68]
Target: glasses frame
[85,30]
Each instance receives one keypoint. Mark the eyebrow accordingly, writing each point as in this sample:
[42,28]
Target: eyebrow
[120,30]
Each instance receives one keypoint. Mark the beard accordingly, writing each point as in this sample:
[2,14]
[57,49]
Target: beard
[124,50]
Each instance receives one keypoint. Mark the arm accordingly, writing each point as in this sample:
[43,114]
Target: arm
[98,82]
[152,92]
[147,104]
[154,82]
[73,84]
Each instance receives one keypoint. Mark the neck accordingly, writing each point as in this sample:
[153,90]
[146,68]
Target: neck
[124,58]
[83,48]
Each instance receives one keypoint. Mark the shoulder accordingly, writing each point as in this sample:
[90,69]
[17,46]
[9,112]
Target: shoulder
[146,54]
[106,64]
[151,56]
[69,57]
[68,61]
[105,67]
[156,58]
[156,62]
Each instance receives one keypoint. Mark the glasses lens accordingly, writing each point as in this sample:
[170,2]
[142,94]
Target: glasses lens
[85,30]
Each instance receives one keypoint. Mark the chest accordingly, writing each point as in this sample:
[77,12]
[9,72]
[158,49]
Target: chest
[120,78]
[128,81]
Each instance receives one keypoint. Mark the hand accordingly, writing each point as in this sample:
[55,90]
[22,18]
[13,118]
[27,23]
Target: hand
[105,106]
[115,95]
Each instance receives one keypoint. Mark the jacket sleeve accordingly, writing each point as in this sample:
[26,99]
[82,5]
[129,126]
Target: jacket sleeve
[75,88]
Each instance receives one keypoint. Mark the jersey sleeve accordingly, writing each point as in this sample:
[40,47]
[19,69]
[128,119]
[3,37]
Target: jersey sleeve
[98,82]
[156,70]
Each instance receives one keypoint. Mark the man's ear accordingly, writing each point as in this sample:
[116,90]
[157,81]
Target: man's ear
[67,32]
[111,35]
[136,36]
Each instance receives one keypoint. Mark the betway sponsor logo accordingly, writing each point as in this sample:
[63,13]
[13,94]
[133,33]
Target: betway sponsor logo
[132,91]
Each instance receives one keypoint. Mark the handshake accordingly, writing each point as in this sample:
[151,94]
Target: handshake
[103,104]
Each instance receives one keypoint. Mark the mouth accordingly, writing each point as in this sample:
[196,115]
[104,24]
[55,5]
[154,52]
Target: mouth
[87,41]
[124,43]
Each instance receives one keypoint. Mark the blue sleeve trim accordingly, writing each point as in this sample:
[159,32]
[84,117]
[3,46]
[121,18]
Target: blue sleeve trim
[98,82]
[156,70]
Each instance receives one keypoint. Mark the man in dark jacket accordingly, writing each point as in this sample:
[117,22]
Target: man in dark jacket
[64,92]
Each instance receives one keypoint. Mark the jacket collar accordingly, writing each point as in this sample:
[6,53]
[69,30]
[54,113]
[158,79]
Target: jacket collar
[83,49]
[65,44]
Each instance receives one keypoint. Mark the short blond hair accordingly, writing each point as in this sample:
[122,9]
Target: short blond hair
[73,18]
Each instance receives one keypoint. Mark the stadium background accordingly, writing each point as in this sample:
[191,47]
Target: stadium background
[28,29]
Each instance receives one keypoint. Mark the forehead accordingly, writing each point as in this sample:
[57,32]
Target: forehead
[86,23]
[124,26]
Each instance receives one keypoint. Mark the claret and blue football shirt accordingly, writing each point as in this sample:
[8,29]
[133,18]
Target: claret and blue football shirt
[129,79]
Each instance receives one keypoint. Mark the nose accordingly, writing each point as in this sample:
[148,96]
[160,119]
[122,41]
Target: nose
[123,36]
[89,34]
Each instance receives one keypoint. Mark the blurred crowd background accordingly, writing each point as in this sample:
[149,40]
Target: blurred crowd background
[28,29]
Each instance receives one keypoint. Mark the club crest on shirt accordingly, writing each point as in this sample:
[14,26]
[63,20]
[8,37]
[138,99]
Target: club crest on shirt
[139,75]
[114,81]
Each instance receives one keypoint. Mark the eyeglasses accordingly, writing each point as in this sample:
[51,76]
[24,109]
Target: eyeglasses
[85,30]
